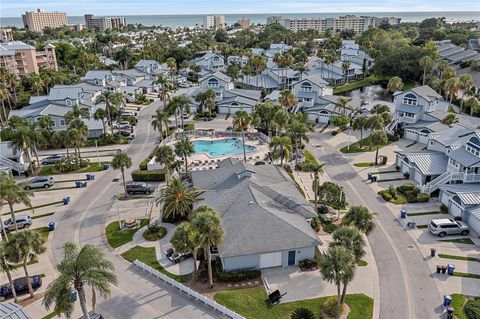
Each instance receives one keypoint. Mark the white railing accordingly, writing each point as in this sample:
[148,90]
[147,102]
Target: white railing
[190,292]
[12,165]
[442,179]
[466,177]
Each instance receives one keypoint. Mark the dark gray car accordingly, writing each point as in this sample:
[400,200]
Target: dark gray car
[140,188]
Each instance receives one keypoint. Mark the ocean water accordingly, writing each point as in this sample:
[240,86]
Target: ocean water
[197,19]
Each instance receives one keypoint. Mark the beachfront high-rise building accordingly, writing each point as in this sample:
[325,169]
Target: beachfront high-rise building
[36,21]
[348,22]
[213,22]
[6,35]
[22,59]
[244,23]
[103,23]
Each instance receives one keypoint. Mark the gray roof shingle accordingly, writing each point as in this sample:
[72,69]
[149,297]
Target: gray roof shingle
[429,163]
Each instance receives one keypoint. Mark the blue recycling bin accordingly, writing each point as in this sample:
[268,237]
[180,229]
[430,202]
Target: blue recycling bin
[66,200]
[450,269]
[403,213]
[51,226]
[369,176]
[447,300]
[88,177]
[73,295]
[106,166]
[78,184]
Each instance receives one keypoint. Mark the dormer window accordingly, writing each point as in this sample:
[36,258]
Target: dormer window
[97,82]
[306,87]
[154,67]
[410,99]
[216,59]
[473,146]
[68,102]
[109,77]
[212,83]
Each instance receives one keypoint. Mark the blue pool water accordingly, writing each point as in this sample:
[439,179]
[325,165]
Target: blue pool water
[224,147]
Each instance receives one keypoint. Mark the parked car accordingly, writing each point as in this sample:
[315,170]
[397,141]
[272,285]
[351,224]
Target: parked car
[122,125]
[93,315]
[445,226]
[185,115]
[21,286]
[23,221]
[40,182]
[125,132]
[52,159]
[169,252]
[178,257]
[129,114]
[142,188]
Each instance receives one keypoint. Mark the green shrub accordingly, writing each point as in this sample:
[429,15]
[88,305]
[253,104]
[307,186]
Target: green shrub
[385,195]
[423,197]
[329,227]
[154,232]
[144,164]
[237,275]
[410,192]
[307,264]
[149,176]
[306,167]
[334,132]
[384,159]
[472,309]
[302,313]
[69,165]
[259,163]
[406,187]
[315,223]
[392,137]
[443,209]
[330,306]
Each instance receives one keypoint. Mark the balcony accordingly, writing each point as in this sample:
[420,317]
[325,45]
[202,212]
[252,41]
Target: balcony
[407,119]
[466,177]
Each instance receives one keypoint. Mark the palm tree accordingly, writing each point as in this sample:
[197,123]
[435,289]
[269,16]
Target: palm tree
[4,96]
[101,115]
[22,140]
[442,65]
[319,170]
[465,84]
[6,267]
[451,87]
[241,123]
[359,124]
[361,218]
[281,119]
[76,114]
[302,313]
[124,56]
[21,246]
[298,132]
[281,145]
[345,68]
[342,104]
[165,87]
[179,104]
[183,241]
[160,122]
[350,238]
[108,98]
[450,119]
[121,161]
[208,233]
[177,199]
[336,266]
[12,193]
[79,268]
[377,139]
[172,65]
[13,82]
[61,139]
[184,148]
[166,156]
[36,83]
[426,63]
[287,99]
[394,84]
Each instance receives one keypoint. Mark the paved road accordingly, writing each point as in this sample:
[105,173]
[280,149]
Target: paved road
[406,288]
[135,296]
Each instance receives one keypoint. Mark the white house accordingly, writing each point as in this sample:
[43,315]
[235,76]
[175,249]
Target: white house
[210,62]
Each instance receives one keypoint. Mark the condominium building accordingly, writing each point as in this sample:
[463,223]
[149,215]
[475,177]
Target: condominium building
[213,22]
[348,22]
[6,35]
[22,59]
[244,23]
[103,23]
[36,21]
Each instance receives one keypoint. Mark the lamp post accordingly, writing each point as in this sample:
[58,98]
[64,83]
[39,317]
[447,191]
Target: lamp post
[340,201]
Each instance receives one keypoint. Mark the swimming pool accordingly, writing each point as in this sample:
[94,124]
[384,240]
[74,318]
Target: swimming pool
[223,147]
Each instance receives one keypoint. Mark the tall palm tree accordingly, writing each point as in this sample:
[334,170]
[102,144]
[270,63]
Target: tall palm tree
[465,83]
[171,65]
[207,227]
[165,87]
[21,246]
[7,268]
[361,218]
[241,123]
[61,139]
[336,266]
[166,156]
[345,68]
[184,148]
[4,96]
[108,98]
[101,115]
[375,122]
[183,241]
[281,119]
[298,132]
[319,170]
[12,193]
[442,65]
[22,140]
[426,63]
[13,82]
[287,99]
[79,268]
[281,145]
[377,139]
[342,104]
[76,113]
[177,199]
[77,137]
[36,83]
[121,161]
[451,87]
[352,239]
[394,84]
[179,104]
[359,124]
[160,122]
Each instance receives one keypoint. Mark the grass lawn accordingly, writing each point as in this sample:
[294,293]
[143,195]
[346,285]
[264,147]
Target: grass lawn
[422,226]
[364,164]
[148,256]
[48,170]
[423,213]
[253,303]
[43,231]
[355,147]
[362,263]
[466,241]
[466,275]
[35,207]
[310,158]
[383,172]
[117,237]
[53,189]
[51,315]
[458,301]
[43,215]
[465,258]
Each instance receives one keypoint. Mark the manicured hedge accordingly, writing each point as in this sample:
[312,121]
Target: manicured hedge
[410,192]
[149,176]
[235,276]
[472,309]
[423,197]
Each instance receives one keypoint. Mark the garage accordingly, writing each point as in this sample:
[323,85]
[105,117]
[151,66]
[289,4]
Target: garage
[474,220]
[271,260]
[411,135]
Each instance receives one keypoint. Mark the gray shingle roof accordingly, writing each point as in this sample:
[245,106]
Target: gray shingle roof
[415,109]
[96,74]
[426,92]
[64,92]
[218,75]
[429,163]
[261,213]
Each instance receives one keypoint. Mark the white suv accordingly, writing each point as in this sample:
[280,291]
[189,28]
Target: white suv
[40,182]
[23,221]
[444,226]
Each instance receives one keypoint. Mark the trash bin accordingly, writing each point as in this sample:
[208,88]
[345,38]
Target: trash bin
[66,200]
[432,252]
[51,226]
[450,269]
[403,213]
[447,300]
[369,176]
[88,177]
[78,184]
[73,295]
[439,269]
[106,166]
[412,224]
[444,269]
[450,311]
[374,178]
[92,177]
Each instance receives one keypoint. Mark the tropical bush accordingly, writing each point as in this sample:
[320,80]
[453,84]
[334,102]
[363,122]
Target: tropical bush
[330,306]
[423,197]
[302,313]
[70,165]
[306,167]
[472,309]
[410,192]
[259,163]
[392,137]
[154,232]
[237,275]
[384,159]
[149,176]
[385,195]
[307,264]
[329,227]
[316,224]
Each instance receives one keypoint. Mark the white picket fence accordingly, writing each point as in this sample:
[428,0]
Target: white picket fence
[190,292]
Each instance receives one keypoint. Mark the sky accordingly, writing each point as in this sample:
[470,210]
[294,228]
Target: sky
[14,8]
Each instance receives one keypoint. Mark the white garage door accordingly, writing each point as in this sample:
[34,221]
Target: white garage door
[474,222]
[271,260]
[223,109]
[410,135]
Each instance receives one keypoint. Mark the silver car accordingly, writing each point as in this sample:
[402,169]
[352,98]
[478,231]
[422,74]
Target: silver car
[41,182]
[23,221]
[52,159]
[444,226]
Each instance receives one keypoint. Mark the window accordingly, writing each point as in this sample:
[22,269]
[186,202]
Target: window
[216,59]
[306,87]
[218,94]
[307,99]
[62,122]
[212,83]
[410,99]
[68,102]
